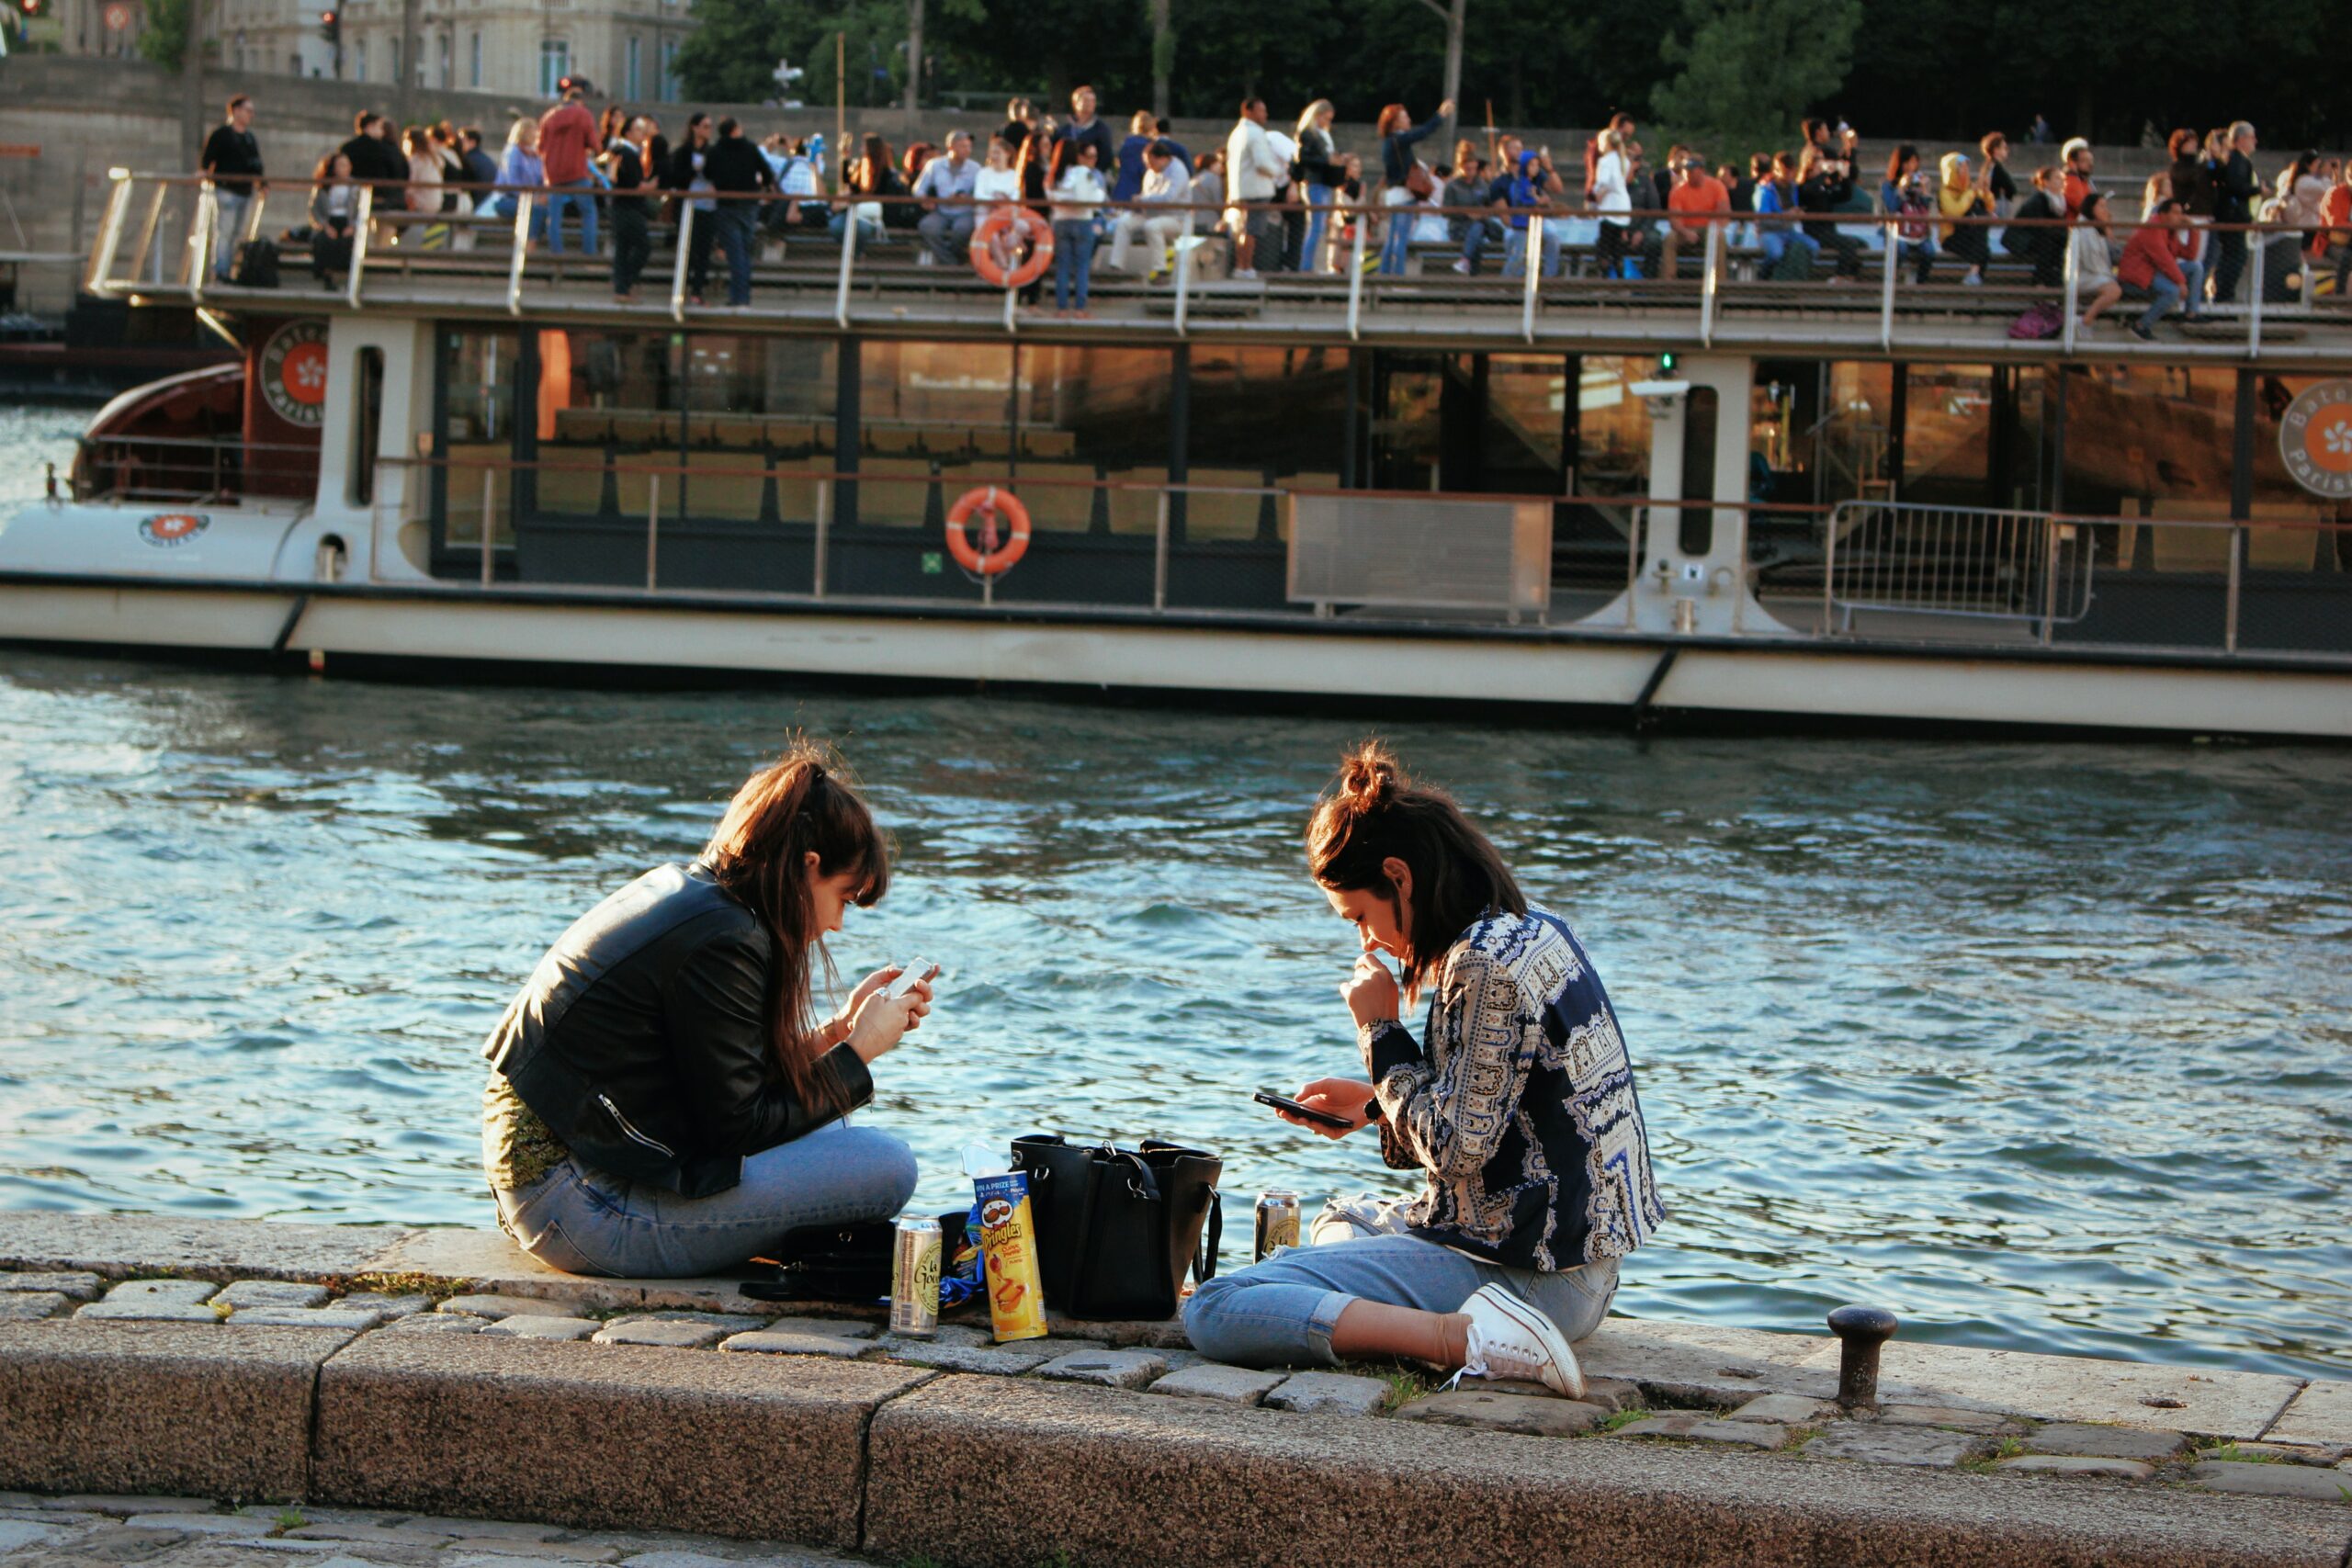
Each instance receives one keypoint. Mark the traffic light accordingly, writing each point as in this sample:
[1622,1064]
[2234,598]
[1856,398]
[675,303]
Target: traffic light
[331,26]
[34,9]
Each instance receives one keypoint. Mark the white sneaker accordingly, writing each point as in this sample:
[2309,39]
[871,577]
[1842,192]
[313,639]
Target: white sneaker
[1510,1338]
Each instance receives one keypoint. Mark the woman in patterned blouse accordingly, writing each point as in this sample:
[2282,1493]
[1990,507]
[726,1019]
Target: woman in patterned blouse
[1518,1103]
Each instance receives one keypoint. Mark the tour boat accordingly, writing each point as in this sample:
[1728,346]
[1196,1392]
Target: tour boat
[1720,498]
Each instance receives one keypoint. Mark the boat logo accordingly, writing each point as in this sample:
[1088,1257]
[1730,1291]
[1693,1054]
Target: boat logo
[294,371]
[2315,439]
[169,530]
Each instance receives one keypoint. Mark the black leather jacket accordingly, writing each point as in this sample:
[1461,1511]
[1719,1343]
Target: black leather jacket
[641,1039]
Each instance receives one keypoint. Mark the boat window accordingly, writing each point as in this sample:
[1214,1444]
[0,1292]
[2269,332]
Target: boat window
[1521,436]
[1277,414]
[755,404]
[928,407]
[474,485]
[1612,425]
[1697,525]
[368,423]
[1102,415]
[610,423]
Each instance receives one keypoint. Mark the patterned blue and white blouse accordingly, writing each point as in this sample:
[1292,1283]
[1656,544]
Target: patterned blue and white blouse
[1519,1103]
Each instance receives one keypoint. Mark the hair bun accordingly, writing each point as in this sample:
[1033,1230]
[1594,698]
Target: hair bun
[1368,777]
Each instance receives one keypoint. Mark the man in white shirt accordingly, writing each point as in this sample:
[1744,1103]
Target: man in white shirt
[1252,173]
[945,186]
[1165,183]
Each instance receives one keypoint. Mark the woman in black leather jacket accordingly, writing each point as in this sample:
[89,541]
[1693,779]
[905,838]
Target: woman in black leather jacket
[661,1101]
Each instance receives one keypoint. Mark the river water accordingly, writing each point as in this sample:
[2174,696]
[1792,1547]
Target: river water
[2043,1046]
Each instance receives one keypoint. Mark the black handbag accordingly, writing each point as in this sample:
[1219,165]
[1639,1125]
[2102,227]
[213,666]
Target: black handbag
[838,1263]
[1119,1229]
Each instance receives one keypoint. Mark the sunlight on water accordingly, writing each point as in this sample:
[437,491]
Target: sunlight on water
[2042,1046]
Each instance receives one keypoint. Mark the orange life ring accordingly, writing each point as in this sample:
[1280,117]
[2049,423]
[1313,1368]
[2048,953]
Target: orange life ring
[999,239]
[988,501]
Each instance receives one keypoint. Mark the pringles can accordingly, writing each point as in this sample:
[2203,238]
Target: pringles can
[1009,1250]
[914,1278]
[1277,1224]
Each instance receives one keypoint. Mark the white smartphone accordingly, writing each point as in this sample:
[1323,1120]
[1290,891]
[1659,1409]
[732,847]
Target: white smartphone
[916,972]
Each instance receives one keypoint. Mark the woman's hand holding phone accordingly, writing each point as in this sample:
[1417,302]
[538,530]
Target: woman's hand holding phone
[878,1021]
[1342,1098]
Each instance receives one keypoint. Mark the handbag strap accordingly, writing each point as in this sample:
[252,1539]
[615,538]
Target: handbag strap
[1205,1259]
[1111,1164]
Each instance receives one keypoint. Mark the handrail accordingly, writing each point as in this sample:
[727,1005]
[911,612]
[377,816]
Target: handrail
[110,233]
[521,251]
[677,273]
[363,223]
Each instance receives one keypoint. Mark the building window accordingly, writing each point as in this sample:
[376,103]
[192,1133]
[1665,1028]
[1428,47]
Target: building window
[629,87]
[448,47]
[555,63]
[473,61]
[669,71]
[359,61]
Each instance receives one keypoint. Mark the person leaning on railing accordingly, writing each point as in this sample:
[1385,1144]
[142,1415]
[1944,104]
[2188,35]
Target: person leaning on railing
[335,203]
[735,168]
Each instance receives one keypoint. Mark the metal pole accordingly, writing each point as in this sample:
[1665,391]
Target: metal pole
[1633,562]
[1533,277]
[678,273]
[1886,287]
[362,222]
[1184,249]
[849,256]
[208,213]
[1829,568]
[824,528]
[2230,610]
[1707,291]
[522,249]
[1355,274]
[1012,311]
[652,525]
[2074,296]
[487,476]
[1160,556]
[110,232]
[2048,577]
[2254,305]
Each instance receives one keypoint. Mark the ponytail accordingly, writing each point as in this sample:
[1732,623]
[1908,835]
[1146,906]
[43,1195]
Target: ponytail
[802,803]
[1375,812]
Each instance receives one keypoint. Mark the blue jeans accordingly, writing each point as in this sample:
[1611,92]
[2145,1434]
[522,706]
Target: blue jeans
[1073,261]
[2163,294]
[1515,251]
[583,195]
[229,228]
[1281,1313]
[1776,238]
[586,1222]
[1397,230]
[1921,253]
[1318,202]
[730,226]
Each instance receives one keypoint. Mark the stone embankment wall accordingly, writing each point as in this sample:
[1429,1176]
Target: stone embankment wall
[89,114]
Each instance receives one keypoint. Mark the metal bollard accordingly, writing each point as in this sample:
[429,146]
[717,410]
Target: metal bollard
[1860,1331]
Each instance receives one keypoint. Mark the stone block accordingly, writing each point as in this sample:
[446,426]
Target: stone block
[526,1326]
[492,1306]
[18,1533]
[1690,1427]
[158,1407]
[193,1524]
[77,1284]
[1211,1380]
[26,1306]
[839,1328]
[392,1307]
[123,1506]
[272,1293]
[664,1332]
[2273,1480]
[1329,1394]
[1102,1475]
[1491,1412]
[125,1244]
[438,1322]
[1120,1334]
[2089,1441]
[146,1311]
[1989,1423]
[526,1554]
[1700,1363]
[765,1341]
[2322,1412]
[730,1322]
[993,1360]
[1793,1409]
[501,1530]
[2203,1402]
[176,1292]
[304,1317]
[600,1436]
[1873,1442]
[2078,1464]
[2289,1453]
[1112,1369]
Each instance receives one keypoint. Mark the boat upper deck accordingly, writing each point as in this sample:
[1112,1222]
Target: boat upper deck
[1716,286]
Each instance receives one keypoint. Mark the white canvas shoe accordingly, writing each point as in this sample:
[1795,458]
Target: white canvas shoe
[1510,1338]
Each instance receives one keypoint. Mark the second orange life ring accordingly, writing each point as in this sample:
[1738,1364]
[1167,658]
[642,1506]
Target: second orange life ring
[990,558]
[998,241]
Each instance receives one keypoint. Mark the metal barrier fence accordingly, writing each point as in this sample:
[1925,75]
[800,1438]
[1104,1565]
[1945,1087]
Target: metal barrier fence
[2026,567]
[1712,264]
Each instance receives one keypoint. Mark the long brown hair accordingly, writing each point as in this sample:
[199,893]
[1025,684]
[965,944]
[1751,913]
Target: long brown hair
[1375,811]
[805,800]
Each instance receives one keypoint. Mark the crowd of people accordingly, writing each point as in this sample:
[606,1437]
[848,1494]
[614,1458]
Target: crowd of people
[1278,200]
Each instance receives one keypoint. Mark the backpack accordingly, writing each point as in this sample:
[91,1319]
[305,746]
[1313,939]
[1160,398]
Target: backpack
[1914,227]
[256,264]
[1795,265]
[2038,320]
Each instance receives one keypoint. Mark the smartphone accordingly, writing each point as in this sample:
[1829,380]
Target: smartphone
[1304,1112]
[917,971]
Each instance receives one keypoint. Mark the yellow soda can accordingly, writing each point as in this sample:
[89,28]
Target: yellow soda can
[1008,1246]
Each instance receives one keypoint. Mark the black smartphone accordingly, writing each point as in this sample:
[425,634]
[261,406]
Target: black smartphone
[1305,1113]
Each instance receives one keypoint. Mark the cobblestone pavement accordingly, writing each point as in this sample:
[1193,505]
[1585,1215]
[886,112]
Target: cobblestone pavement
[190,1532]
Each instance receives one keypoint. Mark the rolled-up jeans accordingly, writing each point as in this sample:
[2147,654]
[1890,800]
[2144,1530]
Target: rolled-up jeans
[585,1220]
[1282,1311]
[2162,295]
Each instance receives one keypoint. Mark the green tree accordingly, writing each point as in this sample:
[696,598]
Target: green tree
[165,37]
[1747,71]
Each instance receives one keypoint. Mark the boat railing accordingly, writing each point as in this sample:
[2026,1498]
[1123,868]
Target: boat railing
[206,469]
[1718,279]
[2027,567]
